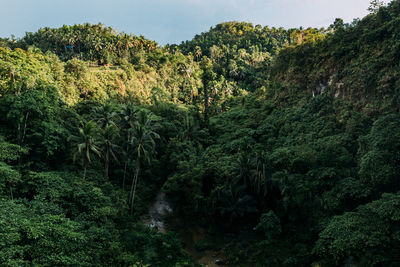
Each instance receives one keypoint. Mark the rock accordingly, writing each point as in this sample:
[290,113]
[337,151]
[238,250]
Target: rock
[158,212]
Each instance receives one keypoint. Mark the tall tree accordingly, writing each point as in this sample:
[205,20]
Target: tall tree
[197,52]
[208,77]
[108,142]
[106,115]
[86,144]
[128,119]
[375,5]
[143,143]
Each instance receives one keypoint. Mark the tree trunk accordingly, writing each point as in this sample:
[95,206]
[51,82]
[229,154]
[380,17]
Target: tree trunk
[19,137]
[126,161]
[19,132]
[84,171]
[123,181]
[206,99]
[26,122]
[134,184]
[106,164]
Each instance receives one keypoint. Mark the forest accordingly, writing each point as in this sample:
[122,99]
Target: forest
[273,146]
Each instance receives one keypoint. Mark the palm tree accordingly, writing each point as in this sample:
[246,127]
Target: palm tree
[106,115]
[197,52]
[127,42]
[142,141]
[208,78]
[191,130]
[97,44]
[375,5]
[108,136]
[262,175]
[244,166]
[128,118]
[235,202]
[85,143]
[118,44]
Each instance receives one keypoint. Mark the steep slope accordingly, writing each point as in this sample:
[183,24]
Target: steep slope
[307,161]
[358,62]
[282,146]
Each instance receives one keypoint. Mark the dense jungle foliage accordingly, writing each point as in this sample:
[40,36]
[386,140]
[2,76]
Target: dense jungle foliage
[284,145]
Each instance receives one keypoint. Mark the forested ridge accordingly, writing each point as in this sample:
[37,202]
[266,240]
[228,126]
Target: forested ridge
[281,145]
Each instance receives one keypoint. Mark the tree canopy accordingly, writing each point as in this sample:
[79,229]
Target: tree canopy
[274,147]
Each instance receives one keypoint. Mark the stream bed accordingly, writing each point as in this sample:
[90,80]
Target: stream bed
[160,212]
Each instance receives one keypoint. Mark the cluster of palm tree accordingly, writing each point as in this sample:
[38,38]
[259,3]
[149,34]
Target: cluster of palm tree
[119,132]
[251,184]
[87,41]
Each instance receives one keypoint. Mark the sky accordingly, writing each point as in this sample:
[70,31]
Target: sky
[173,21]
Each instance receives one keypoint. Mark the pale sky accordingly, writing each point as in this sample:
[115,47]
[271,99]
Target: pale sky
[173,21]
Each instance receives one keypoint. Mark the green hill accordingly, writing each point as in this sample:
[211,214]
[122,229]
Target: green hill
[275,147]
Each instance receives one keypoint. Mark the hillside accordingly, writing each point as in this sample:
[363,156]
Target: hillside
[273,147]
